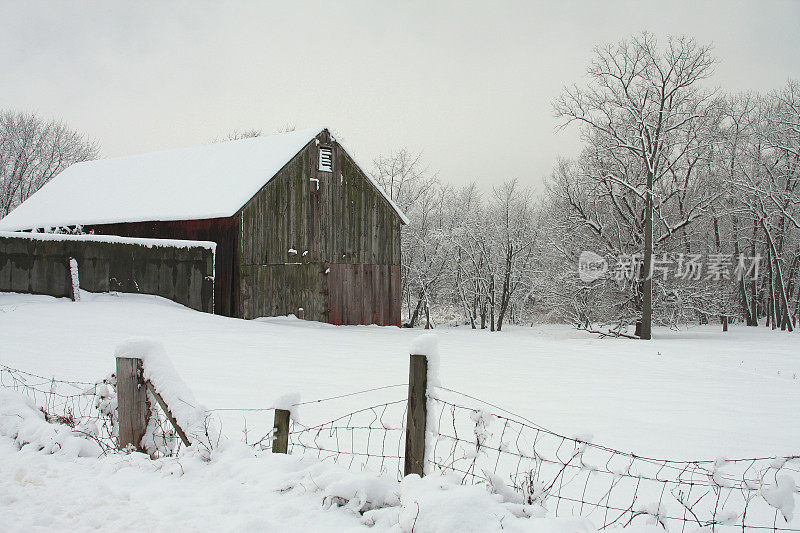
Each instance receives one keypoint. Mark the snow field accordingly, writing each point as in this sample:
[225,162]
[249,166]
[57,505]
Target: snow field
[54,481]
[548,375]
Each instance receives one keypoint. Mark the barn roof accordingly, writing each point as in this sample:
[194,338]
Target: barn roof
[194,183]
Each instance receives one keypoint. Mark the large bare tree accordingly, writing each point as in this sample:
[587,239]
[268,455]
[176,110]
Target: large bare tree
[644,109]
[32,152]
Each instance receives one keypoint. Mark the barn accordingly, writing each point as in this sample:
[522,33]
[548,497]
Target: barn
[297,222]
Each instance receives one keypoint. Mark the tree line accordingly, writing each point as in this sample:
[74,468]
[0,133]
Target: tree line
[687,195]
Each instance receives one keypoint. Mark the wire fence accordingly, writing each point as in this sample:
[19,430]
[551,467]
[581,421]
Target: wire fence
[89,408]
[476,442]
[566,476]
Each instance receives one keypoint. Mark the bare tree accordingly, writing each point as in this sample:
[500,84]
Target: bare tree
[425,247]
[235,135]
[644,103]
[32,152]
[404,177]
[515,235]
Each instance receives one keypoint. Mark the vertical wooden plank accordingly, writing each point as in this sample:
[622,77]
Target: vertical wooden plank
[396,282]
[133,411]
[361,292]
[354,311]
[338,287]
[280,442]
[416,416]
[376,295]
[369,294]
[347,293]
[357,294]
[380,301]
[334,315]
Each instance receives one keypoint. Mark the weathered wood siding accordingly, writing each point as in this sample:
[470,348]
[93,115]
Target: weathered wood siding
[346,237]
[364,294]
[38,265]
[272,290]
[223,231]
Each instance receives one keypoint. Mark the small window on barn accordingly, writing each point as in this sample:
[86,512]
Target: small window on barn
[326,158]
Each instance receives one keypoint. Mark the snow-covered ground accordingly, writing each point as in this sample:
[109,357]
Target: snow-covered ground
[236,491]
[690,394]
[696,393]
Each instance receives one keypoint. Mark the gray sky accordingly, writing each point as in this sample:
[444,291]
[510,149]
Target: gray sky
[469,83]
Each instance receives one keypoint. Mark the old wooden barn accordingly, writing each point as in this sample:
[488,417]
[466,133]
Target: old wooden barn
[297,222]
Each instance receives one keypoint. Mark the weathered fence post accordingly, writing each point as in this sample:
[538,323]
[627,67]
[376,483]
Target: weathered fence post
[417,415]
[75,284]
[280,442]
[165,408]
[724,320]
[301,313]
[132,409]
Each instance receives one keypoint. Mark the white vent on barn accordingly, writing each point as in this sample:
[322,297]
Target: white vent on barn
[326,159]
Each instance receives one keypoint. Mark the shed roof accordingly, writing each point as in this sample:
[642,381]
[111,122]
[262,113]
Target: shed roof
[194,183]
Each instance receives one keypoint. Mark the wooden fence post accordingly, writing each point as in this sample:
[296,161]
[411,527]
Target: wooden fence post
[165,408]
[280,442]
[75,284]
[417,415]
[132,409]
[724,320]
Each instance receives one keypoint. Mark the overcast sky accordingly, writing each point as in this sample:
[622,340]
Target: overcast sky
[468,83]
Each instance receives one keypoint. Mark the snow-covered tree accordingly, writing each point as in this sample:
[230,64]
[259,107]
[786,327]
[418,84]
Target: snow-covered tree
[643,114]
[32,152]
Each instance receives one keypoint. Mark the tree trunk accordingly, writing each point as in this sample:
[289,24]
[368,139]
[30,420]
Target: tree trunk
[754,293]
[771,294]
[491,305]
[427,315]
[505,296]
[748,318]
[647,284]
[785,323]
[415,315]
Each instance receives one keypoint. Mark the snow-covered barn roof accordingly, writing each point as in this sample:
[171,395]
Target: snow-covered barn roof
[194,183]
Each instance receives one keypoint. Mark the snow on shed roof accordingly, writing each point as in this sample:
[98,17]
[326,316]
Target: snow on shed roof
[193,183]
[149,243]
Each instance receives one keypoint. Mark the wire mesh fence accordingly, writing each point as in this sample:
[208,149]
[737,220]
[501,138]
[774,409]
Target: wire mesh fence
[372,438]
[476,442]
[566,476]
[89,408]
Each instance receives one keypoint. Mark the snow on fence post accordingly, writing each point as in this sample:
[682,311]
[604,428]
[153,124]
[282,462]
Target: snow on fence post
[132,409]
[423,376]
[156,376]
[280,442]
[75,284]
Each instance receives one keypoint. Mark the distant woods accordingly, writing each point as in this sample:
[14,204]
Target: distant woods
[689,197]
[467,256]
[235,135]
[32,151]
